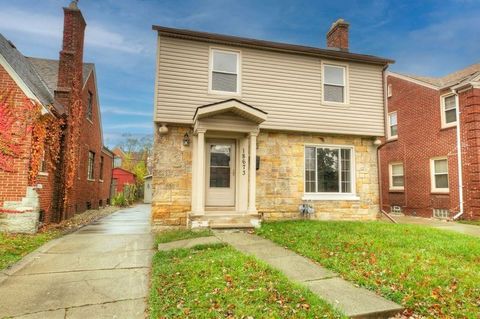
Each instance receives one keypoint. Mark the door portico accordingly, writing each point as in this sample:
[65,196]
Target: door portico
[224,143]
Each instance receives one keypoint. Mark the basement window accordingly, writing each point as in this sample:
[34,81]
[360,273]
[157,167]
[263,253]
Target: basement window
[440,213]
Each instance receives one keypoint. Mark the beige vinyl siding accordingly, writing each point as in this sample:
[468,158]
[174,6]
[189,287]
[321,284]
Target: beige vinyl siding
[286,86]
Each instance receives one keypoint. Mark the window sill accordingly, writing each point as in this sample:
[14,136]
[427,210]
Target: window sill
[90,120]
[224,93]
[90,180]
[396,190]
[332,196]
[439,192]
[100,180]
[42,173]
[337,104]
[448,126]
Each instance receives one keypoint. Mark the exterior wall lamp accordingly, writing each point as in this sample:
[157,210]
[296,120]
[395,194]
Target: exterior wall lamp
[186,139]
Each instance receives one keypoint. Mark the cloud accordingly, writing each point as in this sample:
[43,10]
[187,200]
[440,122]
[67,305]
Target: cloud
[51,26]
[122,111]
[142,125]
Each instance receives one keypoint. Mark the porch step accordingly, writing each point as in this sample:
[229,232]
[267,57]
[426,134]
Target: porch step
[224,220]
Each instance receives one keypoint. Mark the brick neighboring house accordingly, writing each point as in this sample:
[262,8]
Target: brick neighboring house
[249,130]
[419,161]
[50,83]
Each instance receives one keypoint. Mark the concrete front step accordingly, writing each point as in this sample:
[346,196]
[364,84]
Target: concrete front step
[224,220]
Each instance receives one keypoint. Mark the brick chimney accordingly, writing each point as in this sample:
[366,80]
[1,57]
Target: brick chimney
[337,36]
[71,55]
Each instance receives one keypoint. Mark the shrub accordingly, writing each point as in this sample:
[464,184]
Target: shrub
[119,200]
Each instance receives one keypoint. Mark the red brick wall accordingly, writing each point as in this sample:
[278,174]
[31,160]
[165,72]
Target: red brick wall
[91,191]
[469,101]
[420,138]
[13,185]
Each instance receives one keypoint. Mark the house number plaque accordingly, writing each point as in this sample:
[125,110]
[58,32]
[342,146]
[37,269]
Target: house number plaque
[244,162]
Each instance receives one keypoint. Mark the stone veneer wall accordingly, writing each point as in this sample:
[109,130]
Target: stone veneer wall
[280,179]
[172,178]
[280,182]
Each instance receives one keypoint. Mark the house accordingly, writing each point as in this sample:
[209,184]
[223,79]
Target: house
[119,157]
[249,129]
[429,163]
[66,169]
[122,177]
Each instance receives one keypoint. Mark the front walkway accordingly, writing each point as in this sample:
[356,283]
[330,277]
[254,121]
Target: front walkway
[353,301]
[100,271]
[471,230]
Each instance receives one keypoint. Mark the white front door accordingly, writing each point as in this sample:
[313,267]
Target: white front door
[220,173]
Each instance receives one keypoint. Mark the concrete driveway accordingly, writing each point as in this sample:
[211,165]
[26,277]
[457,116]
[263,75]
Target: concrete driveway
[100,271]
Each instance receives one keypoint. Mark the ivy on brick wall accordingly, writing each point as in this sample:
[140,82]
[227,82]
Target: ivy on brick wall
[17,122]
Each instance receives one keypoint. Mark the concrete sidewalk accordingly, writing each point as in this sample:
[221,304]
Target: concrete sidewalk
[353,301]
[100,271]
[466,229]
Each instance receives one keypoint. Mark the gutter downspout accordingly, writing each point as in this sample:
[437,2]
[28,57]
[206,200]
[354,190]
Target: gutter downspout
[385,117]
[459,160]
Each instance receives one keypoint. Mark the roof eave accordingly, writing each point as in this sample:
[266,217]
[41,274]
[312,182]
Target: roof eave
[268,45]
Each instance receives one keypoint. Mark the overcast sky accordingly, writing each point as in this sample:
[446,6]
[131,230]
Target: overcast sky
[424,37]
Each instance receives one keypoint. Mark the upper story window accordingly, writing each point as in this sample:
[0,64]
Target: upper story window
[449,110]
[439,175]
[91,165]
[117,161]
[396,176]
[389,90]
[90,106]
[224,71]
[334,83]
[392,125]
[328,169]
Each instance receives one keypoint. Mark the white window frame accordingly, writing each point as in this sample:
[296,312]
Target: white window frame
[327,195]
[93,166]
[389,90]
[344,66]
[210,71]
[389,126]
[390,176]
[442,110]
[432,175]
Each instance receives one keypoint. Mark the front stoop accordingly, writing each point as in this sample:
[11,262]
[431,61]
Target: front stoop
[224,220]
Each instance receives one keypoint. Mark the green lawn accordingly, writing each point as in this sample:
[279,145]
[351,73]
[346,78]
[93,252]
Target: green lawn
[431,272]
[14,247]
[173,235]
[217,281]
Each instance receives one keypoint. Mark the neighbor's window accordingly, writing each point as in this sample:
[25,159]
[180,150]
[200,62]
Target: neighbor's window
[224,71]
[328,169]
[43,163]
[90,106]
[334,83]
[91,165]
[389,90]
[449,109]
[117,161]
[392,125]
[396,176]
[101,168]
[439,173]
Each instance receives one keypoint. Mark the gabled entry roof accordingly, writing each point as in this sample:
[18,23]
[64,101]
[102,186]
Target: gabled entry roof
[232,105]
